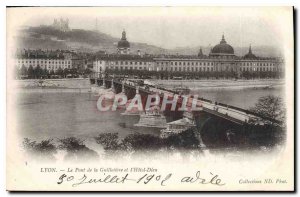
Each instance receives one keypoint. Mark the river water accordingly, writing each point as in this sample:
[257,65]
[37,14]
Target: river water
[52,114]
[243,98]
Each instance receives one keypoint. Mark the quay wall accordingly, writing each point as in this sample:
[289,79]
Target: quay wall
[78,83]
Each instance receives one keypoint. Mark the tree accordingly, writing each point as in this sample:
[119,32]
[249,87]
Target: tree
[74,71]
[186,139]
[271,132]
[138,142]
[59,71]
[23,70]
[76,149]
[44,150]
[141,142]
[30,72]
[87,71]
[45,72]
[38,72]
[65,72]
[108,140]
[270,107]
[52,72]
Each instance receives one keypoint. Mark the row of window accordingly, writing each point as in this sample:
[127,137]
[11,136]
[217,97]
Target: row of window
[56,67]
[207,68]
[201,69]
[130,63]
[48,67]
[257,64]
[128,68]
[211,63]
[189,69]
[183,63]
[186,63]
[171,69]
[258,69]
[45,61]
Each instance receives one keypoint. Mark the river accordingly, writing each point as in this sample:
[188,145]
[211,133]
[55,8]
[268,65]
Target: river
[57,114]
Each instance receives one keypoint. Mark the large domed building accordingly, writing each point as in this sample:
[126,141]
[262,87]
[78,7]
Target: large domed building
[221,63]
[222,50]
[123,45]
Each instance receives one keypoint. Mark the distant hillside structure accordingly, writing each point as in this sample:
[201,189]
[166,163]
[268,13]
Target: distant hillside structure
[61,24]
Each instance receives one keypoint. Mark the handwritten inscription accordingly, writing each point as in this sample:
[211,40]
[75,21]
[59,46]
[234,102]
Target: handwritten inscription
[214,179]
[162,180]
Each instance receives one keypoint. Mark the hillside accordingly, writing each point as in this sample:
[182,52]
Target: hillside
[46,37]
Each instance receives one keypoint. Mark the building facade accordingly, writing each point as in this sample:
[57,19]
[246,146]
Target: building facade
[221,59]
[123,63]
[50,60]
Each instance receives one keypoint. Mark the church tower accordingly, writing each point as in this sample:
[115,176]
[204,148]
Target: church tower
[123,45]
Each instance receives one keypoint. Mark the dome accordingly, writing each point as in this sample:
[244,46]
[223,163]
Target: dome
[223,48]
[250,55]
[123,43]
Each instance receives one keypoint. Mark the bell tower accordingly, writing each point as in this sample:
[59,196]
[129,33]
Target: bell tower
[123,44]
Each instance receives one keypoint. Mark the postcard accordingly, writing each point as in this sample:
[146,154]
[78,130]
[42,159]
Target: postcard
[150,99]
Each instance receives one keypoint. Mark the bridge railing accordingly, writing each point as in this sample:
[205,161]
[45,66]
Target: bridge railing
[249,112]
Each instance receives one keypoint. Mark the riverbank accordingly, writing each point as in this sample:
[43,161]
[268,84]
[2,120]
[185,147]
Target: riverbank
[74,83]
[222,84]
[84,84]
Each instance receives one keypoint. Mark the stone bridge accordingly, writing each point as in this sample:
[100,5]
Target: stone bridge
[215,121]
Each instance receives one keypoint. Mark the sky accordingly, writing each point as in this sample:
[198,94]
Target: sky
[170,27]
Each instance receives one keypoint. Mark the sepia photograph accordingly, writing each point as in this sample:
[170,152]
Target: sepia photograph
[150,98]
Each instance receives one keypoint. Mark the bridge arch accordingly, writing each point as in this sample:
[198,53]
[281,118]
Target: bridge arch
[216,132]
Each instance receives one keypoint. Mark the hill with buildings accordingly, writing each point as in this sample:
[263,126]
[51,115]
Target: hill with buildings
[50,37]
[47,37]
